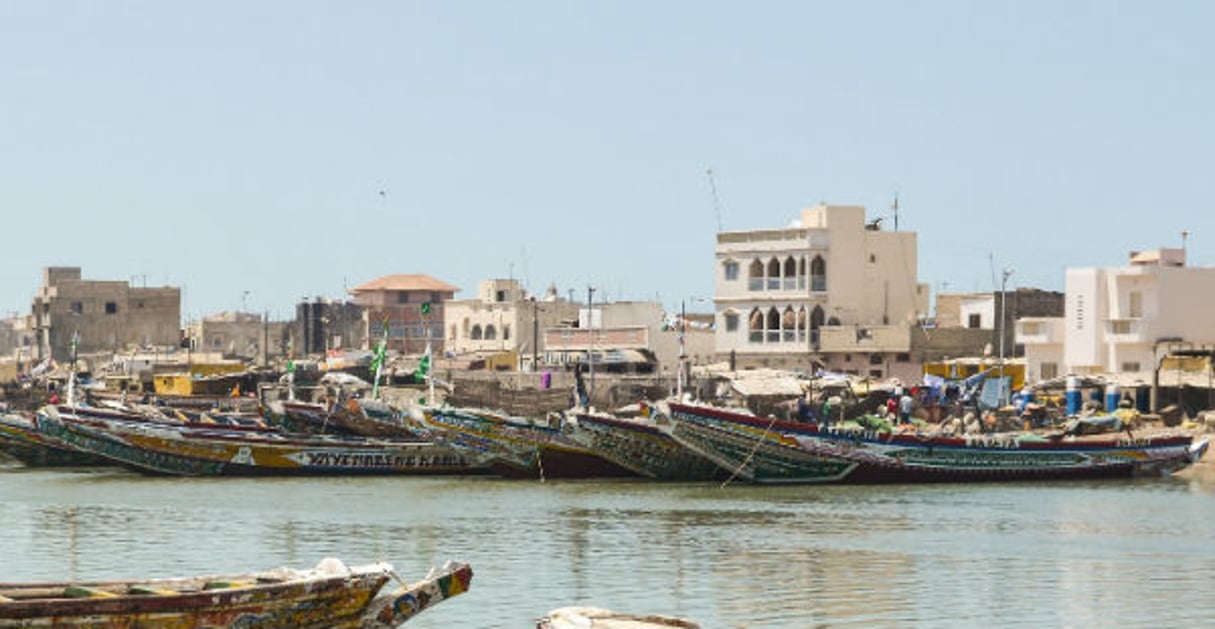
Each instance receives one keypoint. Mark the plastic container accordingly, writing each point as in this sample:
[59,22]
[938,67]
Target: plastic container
[1073,395]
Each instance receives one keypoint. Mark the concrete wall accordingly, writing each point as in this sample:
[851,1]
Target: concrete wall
[107,315]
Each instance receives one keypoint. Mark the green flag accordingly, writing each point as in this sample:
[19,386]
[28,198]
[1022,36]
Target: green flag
[426,307]
[377,359]
[423,366]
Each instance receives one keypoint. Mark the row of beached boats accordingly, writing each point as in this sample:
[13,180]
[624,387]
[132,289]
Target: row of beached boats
[669,441]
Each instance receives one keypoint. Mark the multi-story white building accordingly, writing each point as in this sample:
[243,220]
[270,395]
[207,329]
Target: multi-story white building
[829,291]
[1116,319]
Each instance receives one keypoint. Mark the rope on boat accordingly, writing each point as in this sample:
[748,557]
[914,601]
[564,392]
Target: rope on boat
[750,455]
[540,463]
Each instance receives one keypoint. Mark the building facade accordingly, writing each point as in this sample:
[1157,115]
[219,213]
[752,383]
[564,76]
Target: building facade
[244,336]
[325,324]
[105,315]
[504,318]
[831,291]
[1116,319]
[410,308]
[629,336]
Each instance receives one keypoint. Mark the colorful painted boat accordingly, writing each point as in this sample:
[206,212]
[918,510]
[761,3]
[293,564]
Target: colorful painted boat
[642,446]
[20,439]
[194,451]
[769,450]
[328,596]
[553,452]
[355,416]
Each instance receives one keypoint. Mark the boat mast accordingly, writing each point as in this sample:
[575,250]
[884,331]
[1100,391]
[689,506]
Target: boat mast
[71,383]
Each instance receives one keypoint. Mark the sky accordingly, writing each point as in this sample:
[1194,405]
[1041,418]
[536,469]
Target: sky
[258,153]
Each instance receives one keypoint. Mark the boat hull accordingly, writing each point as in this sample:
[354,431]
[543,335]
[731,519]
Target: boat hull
[643,448]
[767,450]
[178,451]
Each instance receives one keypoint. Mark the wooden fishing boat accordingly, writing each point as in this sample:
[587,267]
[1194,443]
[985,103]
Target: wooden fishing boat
[769,450]
[599,618]
[355,416]
[556,453]
[20,439]
[641,446]
[328,596]
[215,451]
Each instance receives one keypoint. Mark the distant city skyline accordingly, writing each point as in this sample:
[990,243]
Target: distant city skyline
[256,155]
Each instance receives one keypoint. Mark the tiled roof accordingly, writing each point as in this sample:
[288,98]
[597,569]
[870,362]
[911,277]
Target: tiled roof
[401,281]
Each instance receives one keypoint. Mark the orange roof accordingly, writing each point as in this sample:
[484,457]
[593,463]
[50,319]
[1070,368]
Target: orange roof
[401,281]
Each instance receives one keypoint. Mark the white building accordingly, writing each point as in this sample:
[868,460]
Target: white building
[1115,319]
[502,317]
[829,291]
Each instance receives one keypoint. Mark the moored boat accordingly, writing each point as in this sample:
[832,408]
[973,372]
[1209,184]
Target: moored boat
[214,451]
[641,446]
[769,450]
[556,453]
[20,439]
[331,595]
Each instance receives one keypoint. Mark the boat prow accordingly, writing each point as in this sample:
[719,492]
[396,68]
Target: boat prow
[1198,449]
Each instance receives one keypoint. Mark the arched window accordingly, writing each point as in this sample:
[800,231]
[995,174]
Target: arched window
[789,279]
[801,273]
[491,334]
[788,325]
[476,333]
[506,332]
[773,274]
[755,275]
[816,322]
[801,324]
[755,324]
[773,326]
[818,274]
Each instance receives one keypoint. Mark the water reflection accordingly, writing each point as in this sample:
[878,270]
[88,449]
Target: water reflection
[1049,554]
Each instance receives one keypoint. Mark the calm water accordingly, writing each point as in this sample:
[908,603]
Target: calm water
[1107,554]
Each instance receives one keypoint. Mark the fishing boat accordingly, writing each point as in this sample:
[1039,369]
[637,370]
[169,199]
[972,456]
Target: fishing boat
[641,446]
[214,451]
[550,450]
[770,450]
[20,439]
[354,416]
[331,595]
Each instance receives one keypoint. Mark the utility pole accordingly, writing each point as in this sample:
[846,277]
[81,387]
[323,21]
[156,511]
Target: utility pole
[535,335]
[590,338]
[1003,326]
[683,330]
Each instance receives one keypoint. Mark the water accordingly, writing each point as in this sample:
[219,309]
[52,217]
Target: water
[1100,554]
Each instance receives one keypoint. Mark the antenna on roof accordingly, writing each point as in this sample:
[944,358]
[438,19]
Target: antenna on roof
[716,201]
[895,209]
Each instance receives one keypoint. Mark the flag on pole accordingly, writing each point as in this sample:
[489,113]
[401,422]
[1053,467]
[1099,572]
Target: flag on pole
[377,361]
[423,365]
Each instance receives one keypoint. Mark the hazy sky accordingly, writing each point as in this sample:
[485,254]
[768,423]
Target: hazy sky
[243,146]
